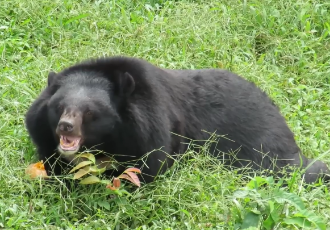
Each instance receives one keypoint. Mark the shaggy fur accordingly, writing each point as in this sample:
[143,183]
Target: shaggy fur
[129,107]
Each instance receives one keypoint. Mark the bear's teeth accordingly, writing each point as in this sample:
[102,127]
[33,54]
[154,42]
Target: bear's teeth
[70,144]
[64,141]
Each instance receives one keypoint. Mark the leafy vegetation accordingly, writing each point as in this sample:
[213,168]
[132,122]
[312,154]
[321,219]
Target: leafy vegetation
[283,46]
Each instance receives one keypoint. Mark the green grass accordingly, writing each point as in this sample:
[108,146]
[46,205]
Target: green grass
[282,45]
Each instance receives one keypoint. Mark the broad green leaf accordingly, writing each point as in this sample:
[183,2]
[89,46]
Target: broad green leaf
[80,173]
[295,200]
[270,180]
[269,223]
[255,211]
[256,182]
[89,156]
[90,180]
[247,194]
[276,213]
[241,194]
[95,170]
[299,221]
[271,206]
[104,204]
[105,181]
[80,165]
[313,218]
[250,220]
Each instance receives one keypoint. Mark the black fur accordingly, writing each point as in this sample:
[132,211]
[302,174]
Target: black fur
[137,105]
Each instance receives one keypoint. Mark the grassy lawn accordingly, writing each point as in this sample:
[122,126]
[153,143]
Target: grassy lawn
[282,45]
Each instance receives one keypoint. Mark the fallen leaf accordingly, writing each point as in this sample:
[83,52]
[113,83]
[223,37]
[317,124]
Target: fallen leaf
[133,170]
[131,177]
[116,182]
[135,178]
[109,186]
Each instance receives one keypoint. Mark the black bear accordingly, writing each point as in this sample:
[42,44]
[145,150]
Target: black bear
[128,107]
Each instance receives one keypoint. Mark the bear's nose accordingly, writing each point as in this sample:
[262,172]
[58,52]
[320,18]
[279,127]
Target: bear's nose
[65,126]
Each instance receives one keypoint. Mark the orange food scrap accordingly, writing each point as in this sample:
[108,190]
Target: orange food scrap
[36,170]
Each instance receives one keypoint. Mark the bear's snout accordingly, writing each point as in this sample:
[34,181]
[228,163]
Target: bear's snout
[65,126]
[69,132]
[69,124]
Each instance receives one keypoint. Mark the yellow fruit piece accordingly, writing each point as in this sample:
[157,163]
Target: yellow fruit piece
[36,170]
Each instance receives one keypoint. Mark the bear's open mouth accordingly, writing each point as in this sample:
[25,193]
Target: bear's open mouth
[69,143]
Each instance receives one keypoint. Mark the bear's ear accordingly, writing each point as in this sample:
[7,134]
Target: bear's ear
[51,77]
[125,84]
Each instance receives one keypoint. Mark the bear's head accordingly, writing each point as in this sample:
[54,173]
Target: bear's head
[83,109]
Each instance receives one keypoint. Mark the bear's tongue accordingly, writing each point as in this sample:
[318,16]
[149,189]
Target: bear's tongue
[69,143]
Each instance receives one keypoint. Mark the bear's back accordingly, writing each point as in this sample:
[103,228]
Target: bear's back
[222,101]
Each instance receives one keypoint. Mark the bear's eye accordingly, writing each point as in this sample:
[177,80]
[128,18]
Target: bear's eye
[60,108]
[89,115]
